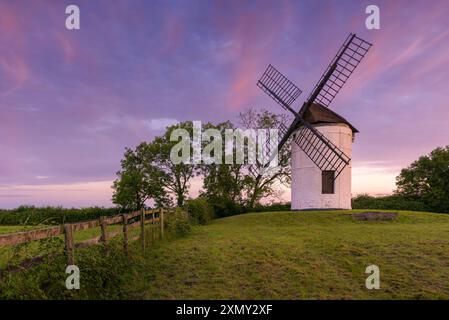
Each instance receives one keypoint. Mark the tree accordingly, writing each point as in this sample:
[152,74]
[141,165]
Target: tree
[148,172]
[176,177]
[427,180]
[232,183]
[223,182]
[137,182]
[265,183]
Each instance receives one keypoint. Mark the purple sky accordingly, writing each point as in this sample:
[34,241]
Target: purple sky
[71,101]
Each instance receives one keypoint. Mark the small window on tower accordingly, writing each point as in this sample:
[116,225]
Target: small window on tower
[327,181]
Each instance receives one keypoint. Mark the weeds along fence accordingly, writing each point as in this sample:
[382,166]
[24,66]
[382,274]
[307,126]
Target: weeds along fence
[128,222]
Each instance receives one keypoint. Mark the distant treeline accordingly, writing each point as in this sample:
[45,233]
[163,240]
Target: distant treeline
[31,215]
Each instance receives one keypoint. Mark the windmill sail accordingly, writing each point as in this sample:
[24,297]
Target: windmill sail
[339,70]
[279,88]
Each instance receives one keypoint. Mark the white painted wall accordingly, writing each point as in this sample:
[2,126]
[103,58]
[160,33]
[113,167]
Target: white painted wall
[306,176]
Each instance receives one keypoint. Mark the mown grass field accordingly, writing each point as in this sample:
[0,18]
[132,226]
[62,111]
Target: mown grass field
[300,255]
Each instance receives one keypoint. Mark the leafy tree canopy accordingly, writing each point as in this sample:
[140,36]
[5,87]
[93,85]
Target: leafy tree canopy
[138,181]
[427,180]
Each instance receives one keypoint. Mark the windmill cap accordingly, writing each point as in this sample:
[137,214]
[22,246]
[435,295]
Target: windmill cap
[319,114]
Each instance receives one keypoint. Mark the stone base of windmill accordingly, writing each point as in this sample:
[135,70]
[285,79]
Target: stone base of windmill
[308,191]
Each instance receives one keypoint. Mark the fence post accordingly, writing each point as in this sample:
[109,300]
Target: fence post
[142,229]
[69,245]
[161,219]
[125,233]
[103,237]
[153,233]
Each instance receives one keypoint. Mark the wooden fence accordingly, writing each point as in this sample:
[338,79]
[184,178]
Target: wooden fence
[128,221]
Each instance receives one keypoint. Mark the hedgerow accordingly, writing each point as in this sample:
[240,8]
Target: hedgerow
[31,215]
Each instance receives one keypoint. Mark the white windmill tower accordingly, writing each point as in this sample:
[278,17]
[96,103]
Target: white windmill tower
[321,140]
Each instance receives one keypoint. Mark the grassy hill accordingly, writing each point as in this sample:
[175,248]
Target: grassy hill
[300,255]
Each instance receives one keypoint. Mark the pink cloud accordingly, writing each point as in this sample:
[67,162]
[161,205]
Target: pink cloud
[13,64]
[253,42]
[15,69]
[172,30]
[67,46]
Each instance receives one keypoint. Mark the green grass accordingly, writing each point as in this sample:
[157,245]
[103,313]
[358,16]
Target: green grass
[16,253]
[11,229]
[282,255]
[300,255]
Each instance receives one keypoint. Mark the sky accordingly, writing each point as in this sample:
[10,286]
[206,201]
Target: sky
[72,100]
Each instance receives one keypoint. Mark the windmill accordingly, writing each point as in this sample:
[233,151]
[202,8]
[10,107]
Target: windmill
[321,140]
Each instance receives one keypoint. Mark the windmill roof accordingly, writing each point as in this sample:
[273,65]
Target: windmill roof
[318,114]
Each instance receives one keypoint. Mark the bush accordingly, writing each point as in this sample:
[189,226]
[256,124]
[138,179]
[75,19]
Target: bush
[199,210]
[393,202]
[178,223]
[271,207]
[202,210]
[225,207]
